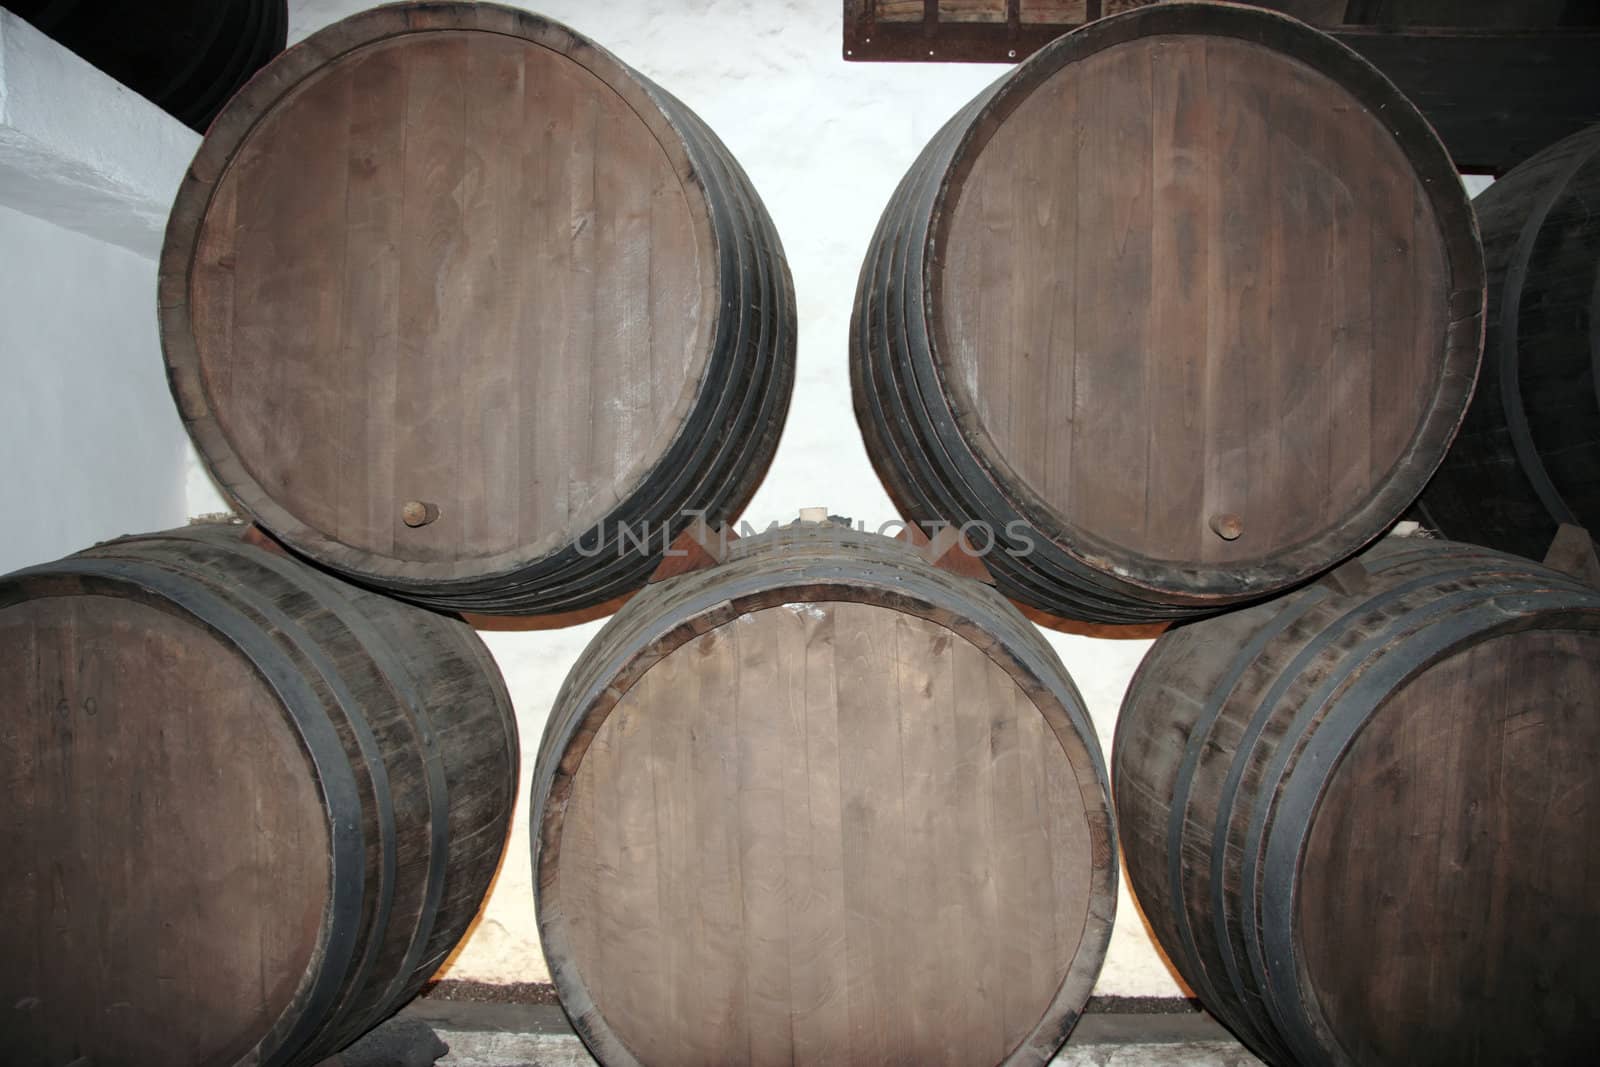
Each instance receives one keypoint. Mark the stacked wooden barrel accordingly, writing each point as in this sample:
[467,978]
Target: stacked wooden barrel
[1172,319]
[1178,314]
[1528,456]
[459,305]
[822,803]
[1363,818]
[251,808]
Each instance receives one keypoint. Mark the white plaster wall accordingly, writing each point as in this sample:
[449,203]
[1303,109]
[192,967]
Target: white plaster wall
[81,149]
[89,441]
[825,143]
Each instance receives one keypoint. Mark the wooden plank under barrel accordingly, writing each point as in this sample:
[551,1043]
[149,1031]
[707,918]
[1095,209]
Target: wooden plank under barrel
[1184,310]
[821,803]
[453,301]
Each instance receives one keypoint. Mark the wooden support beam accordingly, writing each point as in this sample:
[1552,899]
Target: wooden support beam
[1572,553]
[1497,81]
[698,547]
[947,550]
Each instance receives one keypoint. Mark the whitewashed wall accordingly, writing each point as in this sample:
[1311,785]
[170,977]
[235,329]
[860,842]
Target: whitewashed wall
[83,460]
[89,443]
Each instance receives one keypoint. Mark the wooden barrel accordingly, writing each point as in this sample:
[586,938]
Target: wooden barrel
[1180,312]
[457,304]
[185,56]
[1364,820]
[1527,458]
[250,809]
[821,804]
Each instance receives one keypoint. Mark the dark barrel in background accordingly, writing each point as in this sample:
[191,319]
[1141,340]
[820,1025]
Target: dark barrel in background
[821,803]
[1363,819]
[459,305]
[1184,309]
[250,809]
[1527,458]
[185,56]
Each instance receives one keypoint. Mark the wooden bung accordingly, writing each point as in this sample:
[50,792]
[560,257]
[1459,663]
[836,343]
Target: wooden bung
[1185,308]
[459,305]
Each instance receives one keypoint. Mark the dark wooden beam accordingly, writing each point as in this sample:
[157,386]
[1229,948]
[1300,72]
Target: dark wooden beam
[1494,98]
[1501,83]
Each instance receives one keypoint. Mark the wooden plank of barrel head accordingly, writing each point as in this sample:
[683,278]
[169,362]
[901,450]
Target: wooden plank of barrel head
[1364,819]
[1528,455]
[450,296]
[821,803]
[1186,308]
[250,809]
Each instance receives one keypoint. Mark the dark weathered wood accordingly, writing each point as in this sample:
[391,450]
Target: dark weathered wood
[976,30]
[1473,14]
[251,809]
[949,550]
[1435,52]
[1541,91]
[1185,309]
[185,56]
[451,296]
[400,1042]
[821,803]
[697,547]
[1135,631]
[1527,458]
[1572,553]
[1362,820]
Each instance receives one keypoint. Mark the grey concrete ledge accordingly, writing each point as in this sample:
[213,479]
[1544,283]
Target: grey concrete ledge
[538,1035]
[81,150]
